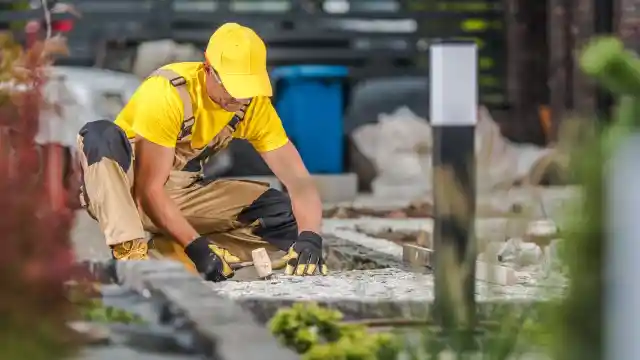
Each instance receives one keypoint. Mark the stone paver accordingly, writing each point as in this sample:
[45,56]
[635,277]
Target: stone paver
[87,238]
[121,352]
[189,301]
[368,285]
[382,293]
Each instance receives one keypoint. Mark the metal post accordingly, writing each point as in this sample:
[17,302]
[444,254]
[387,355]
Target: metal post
[622,287]
[604,15]
[454,106]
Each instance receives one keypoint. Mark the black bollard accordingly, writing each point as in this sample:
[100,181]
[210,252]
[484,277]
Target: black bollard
[454,106]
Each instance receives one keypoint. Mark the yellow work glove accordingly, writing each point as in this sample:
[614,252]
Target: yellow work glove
[209,260]
[305,256]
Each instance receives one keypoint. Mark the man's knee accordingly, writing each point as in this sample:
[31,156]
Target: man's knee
[103,139]
[273,211]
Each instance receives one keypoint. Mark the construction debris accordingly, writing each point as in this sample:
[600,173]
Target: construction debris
[400,147]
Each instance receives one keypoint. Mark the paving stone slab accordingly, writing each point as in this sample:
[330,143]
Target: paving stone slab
[372,293]
[216,320]
[553,199]
[495,229]
[364,241]
[343,254]
[121,352]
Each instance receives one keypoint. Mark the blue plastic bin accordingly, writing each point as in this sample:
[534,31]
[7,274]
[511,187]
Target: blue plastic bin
[309,100]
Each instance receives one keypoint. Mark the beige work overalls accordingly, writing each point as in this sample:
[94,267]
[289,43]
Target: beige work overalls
[210,208]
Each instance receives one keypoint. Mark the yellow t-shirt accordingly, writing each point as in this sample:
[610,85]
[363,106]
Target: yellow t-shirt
[155,112]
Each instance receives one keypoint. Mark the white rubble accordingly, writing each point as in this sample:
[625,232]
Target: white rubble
[151,55]
[400,146]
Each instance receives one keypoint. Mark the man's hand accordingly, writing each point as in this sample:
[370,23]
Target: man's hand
[209,260]
[305,256]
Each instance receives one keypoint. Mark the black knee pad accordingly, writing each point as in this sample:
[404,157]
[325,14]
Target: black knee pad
[274,212]
[104,139]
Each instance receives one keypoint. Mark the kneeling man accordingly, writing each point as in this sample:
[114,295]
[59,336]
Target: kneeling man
[144,172]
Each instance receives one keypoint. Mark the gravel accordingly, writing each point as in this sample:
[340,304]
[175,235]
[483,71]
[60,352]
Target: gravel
[368,286]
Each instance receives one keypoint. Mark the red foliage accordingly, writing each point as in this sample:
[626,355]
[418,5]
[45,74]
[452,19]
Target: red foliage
[36,257]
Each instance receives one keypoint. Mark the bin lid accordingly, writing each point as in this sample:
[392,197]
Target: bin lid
[309,71]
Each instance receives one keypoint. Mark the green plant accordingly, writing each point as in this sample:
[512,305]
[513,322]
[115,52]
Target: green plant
[317,333]
[95,311]
[577,331]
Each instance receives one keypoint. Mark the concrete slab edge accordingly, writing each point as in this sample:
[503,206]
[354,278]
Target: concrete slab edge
[356,252]
[221,326]
[383,246]
[267,307]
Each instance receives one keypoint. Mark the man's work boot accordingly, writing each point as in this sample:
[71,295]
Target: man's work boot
[131,250]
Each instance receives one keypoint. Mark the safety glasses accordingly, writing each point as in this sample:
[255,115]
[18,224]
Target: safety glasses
[213,73]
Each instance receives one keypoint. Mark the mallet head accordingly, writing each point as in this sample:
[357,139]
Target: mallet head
[262,263]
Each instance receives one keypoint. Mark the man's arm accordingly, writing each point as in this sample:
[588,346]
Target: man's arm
[266,134]
[157,122]
[152,167]
[153,163]
[287,165]
[263,128]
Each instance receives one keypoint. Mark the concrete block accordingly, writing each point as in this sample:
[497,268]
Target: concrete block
[271,180]
[417,256]
[342,254]
[495,274]
[380,293]
[133,274]
[425,239]
[500,275]
[541,232]
[333,188]
[337,188]
[380,245]
[213,318]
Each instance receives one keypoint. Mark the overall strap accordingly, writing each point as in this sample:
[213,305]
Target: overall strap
[179,82]
[233,124]
[238,116]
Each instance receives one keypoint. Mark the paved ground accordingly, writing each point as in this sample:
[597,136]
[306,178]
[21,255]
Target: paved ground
[88,239]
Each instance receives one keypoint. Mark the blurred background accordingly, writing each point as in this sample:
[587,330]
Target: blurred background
[351,82]
[340,66]
[362,58]
[370,58]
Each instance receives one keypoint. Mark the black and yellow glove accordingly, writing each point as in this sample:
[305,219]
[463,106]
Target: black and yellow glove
[305,256]
[209,260]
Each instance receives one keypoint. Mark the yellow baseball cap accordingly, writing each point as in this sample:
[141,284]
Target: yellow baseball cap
[239,56]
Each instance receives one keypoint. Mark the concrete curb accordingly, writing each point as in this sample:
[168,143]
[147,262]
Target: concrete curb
[223,329]
[267,307]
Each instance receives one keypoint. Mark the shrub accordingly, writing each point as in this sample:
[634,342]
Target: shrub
[317,333]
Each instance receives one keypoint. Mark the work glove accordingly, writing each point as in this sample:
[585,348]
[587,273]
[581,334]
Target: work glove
[209,260]
[305,256]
